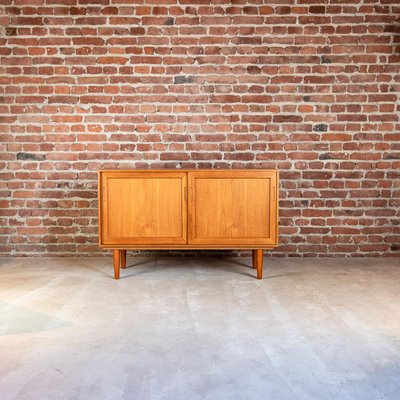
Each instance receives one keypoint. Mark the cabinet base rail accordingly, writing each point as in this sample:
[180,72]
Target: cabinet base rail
[120,262]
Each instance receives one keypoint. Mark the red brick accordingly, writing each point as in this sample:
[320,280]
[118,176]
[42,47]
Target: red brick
[112,60]
[309,89]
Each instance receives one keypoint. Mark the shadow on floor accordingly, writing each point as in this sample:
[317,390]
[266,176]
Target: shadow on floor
[205,263]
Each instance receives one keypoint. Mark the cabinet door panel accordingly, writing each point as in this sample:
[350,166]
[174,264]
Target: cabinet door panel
[232,207]
[143,208]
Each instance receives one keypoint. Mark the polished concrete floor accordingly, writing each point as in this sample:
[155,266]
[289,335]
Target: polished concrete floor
[200,328]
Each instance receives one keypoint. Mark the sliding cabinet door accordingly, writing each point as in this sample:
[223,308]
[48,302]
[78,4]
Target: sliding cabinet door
[233,208]
[143,208]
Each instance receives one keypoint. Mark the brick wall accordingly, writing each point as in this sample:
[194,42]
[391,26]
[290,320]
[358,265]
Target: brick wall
[306,86]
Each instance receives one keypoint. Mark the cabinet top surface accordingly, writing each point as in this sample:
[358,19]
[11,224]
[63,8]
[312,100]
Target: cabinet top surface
[189,170]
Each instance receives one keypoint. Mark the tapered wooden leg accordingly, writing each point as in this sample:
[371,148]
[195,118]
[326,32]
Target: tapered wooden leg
[259,263]
[117,257]
[123,258]
[254,252]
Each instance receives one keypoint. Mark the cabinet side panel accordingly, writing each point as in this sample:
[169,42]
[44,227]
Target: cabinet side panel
[274,207]
[99,208]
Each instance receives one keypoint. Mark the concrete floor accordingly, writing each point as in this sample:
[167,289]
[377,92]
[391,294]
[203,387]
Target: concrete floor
[188,329]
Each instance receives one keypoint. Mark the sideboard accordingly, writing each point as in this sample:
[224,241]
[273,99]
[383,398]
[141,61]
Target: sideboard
[188,209]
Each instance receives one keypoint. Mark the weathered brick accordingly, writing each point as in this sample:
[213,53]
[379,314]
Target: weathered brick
[31,156]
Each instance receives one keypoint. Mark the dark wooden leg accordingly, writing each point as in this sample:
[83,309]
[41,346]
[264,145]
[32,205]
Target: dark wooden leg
[259,262]
[123,258]
[254,252]
[117,255]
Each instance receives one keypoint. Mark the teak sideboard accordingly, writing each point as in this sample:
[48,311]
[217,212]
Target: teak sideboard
[188,209]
